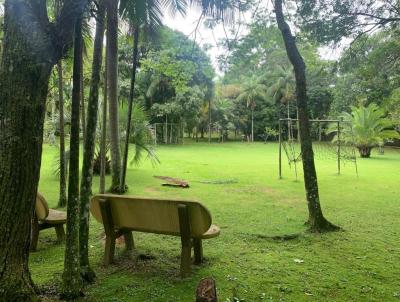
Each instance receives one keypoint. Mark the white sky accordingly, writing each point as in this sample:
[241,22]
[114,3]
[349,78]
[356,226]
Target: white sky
[188,25]
[202,35]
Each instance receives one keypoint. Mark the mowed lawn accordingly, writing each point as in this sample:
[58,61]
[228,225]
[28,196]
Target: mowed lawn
[362,263]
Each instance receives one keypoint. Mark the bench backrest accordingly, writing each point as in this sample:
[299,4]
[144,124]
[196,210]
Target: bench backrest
[152,215]
[41,207]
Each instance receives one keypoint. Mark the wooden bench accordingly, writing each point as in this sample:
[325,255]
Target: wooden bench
[45,218]
[121,215]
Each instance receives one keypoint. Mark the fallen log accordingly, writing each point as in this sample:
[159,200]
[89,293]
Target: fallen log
[173,182]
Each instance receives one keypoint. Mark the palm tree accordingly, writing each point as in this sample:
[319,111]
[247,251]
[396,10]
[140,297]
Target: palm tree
[72,285]
[89,145]
[365,128]
[283,90]
[112,78]
[251,92]
[142,15]
[62,200]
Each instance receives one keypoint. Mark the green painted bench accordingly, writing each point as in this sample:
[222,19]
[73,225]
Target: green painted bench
[45,218]
[121,215]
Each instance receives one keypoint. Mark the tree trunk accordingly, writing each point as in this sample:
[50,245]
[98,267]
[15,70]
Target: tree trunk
[131,95]
[83,112]
[89,146]
[103,140]
[317,221]
[112,45]
[209,120]
[24,77]
[72,282]
[29,54]
[62,200]
[252,124]
[166,129]
[365,151]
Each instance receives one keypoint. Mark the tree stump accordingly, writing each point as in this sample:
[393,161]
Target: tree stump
[206,291]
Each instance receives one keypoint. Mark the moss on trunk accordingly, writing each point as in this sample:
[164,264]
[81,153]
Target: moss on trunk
[72,282]
[89,147]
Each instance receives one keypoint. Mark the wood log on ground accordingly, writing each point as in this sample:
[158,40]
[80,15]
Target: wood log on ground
[173,182]
[206,291]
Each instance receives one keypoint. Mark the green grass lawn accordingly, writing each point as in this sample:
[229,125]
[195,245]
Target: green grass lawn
[359,264]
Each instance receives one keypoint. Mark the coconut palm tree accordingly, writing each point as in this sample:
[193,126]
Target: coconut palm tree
[283,90]
[252,91]
[366,128]
[144,17]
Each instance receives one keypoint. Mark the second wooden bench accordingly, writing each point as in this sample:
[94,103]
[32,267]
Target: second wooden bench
[121,215]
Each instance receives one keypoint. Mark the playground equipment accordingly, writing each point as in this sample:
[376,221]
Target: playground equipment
[323,146]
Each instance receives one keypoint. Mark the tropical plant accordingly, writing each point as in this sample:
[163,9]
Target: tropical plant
[97,160]
[252,91]
[365,128]
[142,137]
[283,90]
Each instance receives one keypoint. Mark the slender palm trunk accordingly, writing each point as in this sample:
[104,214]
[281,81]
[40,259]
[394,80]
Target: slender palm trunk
[317,221]
[72,282]
[166,129]
[252,124]
[103,140]
[131,95]
[89,146]
[112,76]
[62,199]
[209,120]
[83,111]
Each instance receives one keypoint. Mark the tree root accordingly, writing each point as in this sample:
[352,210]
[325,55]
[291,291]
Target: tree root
[88,275]
[284,237]
[322,226]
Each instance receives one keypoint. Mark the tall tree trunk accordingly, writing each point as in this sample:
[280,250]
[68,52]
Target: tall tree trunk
[62,199]
[29,54]
[72,282]
[83,112]
[103,139]
[209,120]
[131,95]
[317,221]
[252,124]
[89,146]
[166,129]
[24,77]
[112,76]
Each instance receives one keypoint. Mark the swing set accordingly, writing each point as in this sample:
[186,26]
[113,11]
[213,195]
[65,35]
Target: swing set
[289,142]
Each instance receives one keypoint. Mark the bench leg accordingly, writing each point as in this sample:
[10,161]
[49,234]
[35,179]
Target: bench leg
[34,234]
[129,243]
[198,251]
[109,250]
[60,233]
[184,227]
[185,257]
